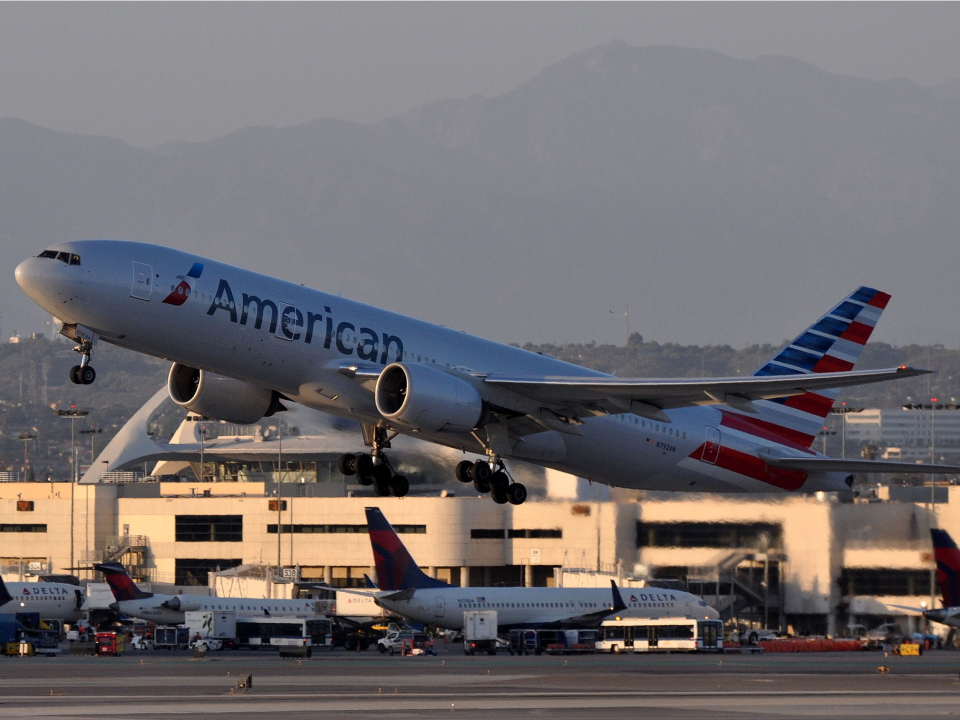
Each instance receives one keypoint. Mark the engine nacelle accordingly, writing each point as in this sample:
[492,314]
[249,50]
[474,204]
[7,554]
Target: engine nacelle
[425,398]
[219,397]
[175,604]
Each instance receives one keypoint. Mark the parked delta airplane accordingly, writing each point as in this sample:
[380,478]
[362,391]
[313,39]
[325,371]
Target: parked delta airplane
[947,556]
[243,343]
[171,609]
[407,591]
[53,601]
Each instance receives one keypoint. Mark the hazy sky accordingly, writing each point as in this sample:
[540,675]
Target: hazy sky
[153,72]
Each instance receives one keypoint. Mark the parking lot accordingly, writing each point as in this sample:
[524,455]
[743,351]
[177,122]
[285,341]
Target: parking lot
[159,684]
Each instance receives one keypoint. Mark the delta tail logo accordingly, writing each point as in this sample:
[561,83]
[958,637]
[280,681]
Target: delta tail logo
[182,291]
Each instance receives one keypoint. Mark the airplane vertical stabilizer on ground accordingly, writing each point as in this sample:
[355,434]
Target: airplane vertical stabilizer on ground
[396,569]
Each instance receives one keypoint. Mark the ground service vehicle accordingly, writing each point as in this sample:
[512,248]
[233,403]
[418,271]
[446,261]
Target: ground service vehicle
[273,633]
[480,632]
[212,628]
[110,643]
[169,637]
[660,635]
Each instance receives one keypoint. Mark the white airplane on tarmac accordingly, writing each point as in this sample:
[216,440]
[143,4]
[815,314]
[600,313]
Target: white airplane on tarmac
[406,590]
[242,343]
[172,609]
[52,601]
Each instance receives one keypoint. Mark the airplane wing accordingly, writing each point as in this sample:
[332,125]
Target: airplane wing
[650,396]
[907,607]
[809,464]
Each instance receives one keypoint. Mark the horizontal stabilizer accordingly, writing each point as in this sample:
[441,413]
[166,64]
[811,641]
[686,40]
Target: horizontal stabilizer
[810,464]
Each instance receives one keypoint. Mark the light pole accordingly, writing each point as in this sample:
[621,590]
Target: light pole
[26,436]
[843,410]
[72,413]
[92,432]
[279,497]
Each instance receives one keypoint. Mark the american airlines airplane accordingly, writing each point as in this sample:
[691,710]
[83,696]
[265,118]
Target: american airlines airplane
[406,590]
[52,601]
[172,609]
[243,343]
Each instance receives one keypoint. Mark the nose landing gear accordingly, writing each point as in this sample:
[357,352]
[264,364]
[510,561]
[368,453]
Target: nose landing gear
[487,480]
[83,374]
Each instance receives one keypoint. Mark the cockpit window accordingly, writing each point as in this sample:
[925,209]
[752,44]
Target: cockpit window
[64,257]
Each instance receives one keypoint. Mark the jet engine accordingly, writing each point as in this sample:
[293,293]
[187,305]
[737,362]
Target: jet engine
[424,398]
[219,397]
[176,604]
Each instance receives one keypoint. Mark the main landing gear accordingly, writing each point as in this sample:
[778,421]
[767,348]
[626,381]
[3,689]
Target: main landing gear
[83,374]
[375,469]
[487,480]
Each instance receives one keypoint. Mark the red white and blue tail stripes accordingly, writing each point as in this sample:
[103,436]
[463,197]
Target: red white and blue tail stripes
[832,344]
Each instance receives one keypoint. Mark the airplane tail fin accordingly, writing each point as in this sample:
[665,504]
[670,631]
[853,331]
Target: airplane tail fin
[947,556]
[396,569]
[121,584]
[5,596]
[832,344]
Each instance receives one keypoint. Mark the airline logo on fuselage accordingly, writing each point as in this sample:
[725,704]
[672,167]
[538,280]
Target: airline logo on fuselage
[289,323]
[653,597]
[39,591]
[179,295]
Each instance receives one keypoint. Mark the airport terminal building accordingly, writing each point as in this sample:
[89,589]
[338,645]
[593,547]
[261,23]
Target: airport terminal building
[807,564]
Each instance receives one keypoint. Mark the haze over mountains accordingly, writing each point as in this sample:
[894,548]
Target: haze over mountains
[724,201]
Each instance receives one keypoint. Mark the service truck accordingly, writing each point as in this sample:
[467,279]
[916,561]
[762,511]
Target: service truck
[480,632]
[211,629]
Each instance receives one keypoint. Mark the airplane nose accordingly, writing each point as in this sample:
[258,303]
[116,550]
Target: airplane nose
[29,275]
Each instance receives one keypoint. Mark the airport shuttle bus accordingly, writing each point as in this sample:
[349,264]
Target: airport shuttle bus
[660,635]
[273,633]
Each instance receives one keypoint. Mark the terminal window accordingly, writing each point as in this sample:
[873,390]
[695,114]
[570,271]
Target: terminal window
[487,534]
[535,533]
[714,535]
[286,529]
[196,571]
[209,528]
[884,581]
[23,528]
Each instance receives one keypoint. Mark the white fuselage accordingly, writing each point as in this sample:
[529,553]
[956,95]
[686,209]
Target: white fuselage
[533,607]
[218,329]
[949,616]
[152,608]
[52,601]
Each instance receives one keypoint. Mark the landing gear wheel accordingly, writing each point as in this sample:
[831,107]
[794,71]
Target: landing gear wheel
[481,471]
[75,375]
[481,486]
[516,494]
[381,473]
[348,464]
[499,496]
[364,468]
[399,486]
[382,489]
[87,375]
[464,467]
[499,481]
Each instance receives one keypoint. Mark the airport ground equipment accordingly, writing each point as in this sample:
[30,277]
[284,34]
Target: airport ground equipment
[212,628]
[170,637]
[480,632]
[281,633]
[110,643]
[660,635]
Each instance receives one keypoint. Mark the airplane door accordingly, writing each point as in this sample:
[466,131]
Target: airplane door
[439,607]
[711,446]
[142,281]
